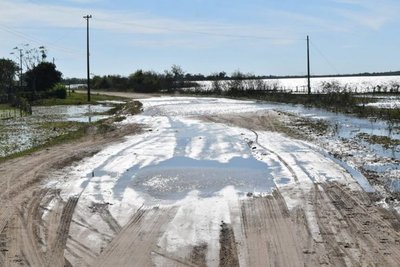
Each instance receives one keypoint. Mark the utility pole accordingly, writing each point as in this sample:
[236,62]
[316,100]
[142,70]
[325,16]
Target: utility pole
[87,17]
[20,63]
[308,66]
[20,68]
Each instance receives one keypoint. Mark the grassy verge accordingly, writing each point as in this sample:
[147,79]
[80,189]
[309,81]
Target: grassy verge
[73,131]
[76,99]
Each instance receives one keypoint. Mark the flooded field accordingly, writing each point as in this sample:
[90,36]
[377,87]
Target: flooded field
[18,133]
[208,182]
[356,84]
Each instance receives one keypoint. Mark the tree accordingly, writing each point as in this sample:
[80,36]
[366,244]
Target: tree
[42,77]
[8,69]
[145,81]
[236,84]
[178,74]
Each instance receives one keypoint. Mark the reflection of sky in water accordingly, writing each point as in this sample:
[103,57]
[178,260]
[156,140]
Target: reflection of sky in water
[177,176]
[348,127]
[345,126]
[67,112]
[24,132]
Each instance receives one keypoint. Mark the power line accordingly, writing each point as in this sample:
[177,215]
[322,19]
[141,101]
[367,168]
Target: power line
[40,42]
[241,36]
[324,57]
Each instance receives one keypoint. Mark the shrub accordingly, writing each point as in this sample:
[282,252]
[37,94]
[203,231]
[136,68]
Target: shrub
[58,91]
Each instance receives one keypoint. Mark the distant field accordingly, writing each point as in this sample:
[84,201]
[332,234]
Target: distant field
[355,83]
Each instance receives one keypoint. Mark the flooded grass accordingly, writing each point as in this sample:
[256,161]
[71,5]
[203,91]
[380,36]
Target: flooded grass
[319,126]
[78,99]
[7,112]
[49,125]
[385,141]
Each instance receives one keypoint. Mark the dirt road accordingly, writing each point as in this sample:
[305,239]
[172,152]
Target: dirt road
[222,190]
[25,238]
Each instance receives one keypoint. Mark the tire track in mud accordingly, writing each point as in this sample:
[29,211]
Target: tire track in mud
[277,155]
[56,256]
[218,119]
[354,231]
[80,251]
[137,240]
[104,212]
[28,221]
[270,233]
[22,176]
[20,241]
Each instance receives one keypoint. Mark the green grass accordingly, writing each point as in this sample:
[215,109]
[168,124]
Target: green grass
[76,99]
[7,111]
[62,126]
[5,107]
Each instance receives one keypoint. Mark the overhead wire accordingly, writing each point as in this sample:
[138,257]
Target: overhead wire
[169,29]
[324,57]
[38,41]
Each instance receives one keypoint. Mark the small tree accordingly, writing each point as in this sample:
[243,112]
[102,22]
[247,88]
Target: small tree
[178,76]
[236,84]
[216,83]
[58,91]
[8,69]
[42,77]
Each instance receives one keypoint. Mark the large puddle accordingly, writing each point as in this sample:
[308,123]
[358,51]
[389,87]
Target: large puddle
[176,177]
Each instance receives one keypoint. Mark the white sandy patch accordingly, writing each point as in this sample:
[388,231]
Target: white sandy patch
[198,222]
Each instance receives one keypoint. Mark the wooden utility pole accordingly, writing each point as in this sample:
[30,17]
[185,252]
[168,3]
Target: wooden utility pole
[308,66]
[87,17]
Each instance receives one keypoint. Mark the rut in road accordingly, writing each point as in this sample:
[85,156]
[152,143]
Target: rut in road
[56,255]
[29,241]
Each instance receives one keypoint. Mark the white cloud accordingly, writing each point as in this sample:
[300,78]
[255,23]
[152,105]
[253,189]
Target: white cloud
[368,13]
[42,16]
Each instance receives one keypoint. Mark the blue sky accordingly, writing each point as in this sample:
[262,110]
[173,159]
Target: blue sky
[205,36]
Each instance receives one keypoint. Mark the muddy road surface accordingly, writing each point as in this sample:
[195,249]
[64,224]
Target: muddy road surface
[207,182]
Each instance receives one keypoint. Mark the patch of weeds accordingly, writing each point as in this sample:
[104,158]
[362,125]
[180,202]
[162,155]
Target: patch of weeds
[128,108]
[116,109]
[280,126]
[119,118]
[61,126]
[76,99]
[132,108]
[5,107]
[384,141]
[105,127]
[317,126]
